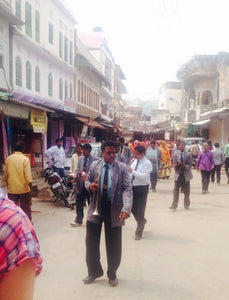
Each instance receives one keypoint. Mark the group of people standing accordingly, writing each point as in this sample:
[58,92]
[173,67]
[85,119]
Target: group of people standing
[114,185]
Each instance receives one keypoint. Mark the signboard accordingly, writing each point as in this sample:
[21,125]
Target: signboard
[38,120]
[83,140]
[70,105]
[14,110]
[84,131]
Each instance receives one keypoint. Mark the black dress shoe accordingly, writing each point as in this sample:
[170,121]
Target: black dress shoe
[90,279]
[113,282]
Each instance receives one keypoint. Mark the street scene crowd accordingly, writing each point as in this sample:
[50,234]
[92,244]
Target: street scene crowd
[111,186]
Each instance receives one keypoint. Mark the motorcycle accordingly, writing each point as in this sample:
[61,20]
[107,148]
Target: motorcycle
[58,187]
[194,161]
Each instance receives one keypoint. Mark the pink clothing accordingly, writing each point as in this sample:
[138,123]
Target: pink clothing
[17,238]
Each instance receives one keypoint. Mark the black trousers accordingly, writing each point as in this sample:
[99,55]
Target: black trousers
[80,199]
[217,170]
[205,175]
[227,167]
[113,240]
[185,186]
[140,194]
[153,179]
[24,201]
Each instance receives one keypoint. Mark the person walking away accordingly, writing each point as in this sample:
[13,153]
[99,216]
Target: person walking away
[18,178]
[57,155]
[205,163]
[219,159]
[109,181]
[140,170]
[182,161]
[195,149]
[125,151]
[226,154]
[20,258]
[154,155]
[74,162]
[81,193]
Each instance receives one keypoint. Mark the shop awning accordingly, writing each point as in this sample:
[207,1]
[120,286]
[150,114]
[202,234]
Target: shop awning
[202,122]
[90,123]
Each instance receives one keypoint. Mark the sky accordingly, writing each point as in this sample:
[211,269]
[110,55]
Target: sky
[152,39]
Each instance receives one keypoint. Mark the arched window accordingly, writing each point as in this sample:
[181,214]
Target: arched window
[37,79]
[70,91]
[18,71]
[28,19]
[60,89]
[28,75]
[18,11]
[206,98]
[66,90]
[50,84]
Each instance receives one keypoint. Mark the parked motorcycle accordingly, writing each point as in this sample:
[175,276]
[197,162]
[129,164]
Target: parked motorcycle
[194,161]
[58,187]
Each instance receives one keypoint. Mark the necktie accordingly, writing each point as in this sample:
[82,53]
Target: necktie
[181,157]
[104,197]
[85,164]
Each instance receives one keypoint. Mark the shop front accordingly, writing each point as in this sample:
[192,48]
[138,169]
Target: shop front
[21,122]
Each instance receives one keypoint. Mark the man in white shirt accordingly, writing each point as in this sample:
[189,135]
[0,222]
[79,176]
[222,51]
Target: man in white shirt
[57,155]
[140,169]
[74,162]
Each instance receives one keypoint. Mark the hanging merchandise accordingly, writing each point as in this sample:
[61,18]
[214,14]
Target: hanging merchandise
[4,137]
[9,135]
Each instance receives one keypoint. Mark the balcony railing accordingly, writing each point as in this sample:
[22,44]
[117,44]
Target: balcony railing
[213,106]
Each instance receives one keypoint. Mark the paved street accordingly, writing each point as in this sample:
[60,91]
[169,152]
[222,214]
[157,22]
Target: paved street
[183,254]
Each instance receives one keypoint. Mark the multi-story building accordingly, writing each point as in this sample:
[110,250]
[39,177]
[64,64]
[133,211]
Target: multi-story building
[98,47]
[89,76]
[43,62]
[206,93]
[118,105]
[7,19]
[170,99]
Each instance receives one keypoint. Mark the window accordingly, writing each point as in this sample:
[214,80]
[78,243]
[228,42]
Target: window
[70,52]
[50,33]
[28,19]
[66,90]
[28,75]
[37,79]
[61,89]
[70,91]
[18,71]
[81,92]
[37,26]
[78,90]
[65,48]
[18,11]
[50,84]
[60,44]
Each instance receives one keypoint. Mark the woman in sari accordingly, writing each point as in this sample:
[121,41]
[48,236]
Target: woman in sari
[165,164]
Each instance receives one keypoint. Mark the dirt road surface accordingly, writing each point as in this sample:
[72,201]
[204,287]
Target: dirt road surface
[182,255]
